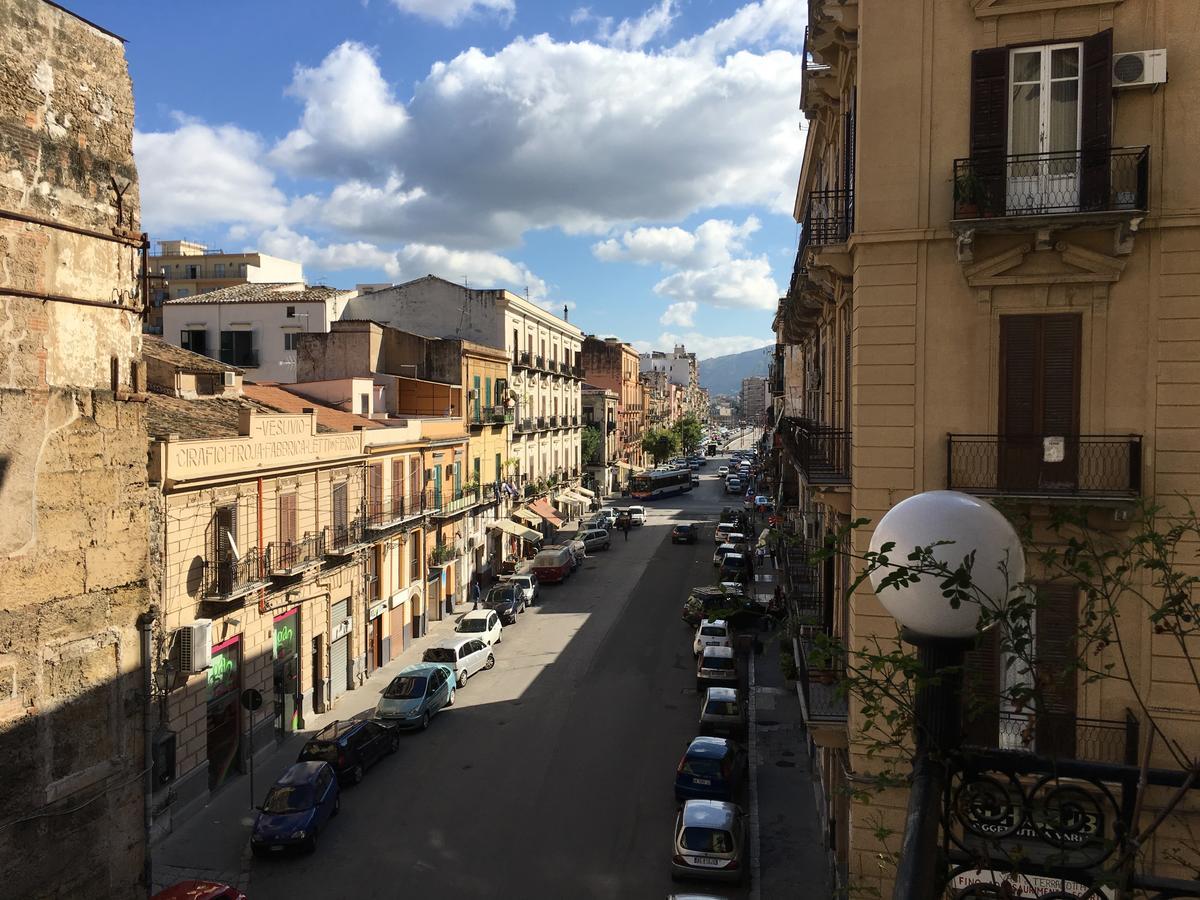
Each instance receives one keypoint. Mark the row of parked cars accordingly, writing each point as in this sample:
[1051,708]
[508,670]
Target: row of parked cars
[711,831]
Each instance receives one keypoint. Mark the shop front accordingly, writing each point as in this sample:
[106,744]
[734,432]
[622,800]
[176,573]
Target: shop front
[376,653]
[289,699]
[342,625]
[400,622]
[224,721]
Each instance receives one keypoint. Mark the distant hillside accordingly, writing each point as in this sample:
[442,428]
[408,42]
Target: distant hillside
[724,374]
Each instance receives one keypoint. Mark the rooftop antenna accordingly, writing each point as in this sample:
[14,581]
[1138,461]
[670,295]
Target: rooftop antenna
[464,317]
[566,318]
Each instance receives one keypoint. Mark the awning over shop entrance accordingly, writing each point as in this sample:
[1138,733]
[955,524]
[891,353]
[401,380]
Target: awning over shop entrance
[525,514]
[543,509]
[584,492]
[516,530]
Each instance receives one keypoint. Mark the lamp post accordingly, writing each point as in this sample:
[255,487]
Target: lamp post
[942,633]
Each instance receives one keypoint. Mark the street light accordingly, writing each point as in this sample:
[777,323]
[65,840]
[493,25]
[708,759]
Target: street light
[942,633]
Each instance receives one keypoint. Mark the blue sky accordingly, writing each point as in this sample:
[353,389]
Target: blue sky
[635,161]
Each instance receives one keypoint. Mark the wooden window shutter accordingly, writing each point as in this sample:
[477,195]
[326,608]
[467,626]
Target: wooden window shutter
[376,487]
[1061,339]
[981,691]
[1054,644]
[1019,340]
[340,507]
[1095,133]
[989,125]
[287,518]
[397,486]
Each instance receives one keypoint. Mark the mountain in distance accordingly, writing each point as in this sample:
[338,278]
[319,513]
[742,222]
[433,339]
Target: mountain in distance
[724,374]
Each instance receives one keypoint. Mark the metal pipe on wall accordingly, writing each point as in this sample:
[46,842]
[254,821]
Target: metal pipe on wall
[145,633]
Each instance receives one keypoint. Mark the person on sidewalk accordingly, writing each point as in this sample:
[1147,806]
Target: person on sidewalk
[475,591]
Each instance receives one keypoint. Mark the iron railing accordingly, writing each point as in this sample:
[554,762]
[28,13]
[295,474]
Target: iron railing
[345,538]
[449,502]
[286,557]
[539,362]
[501,415]
[821,452]
[1071,737]
[227,578]
[541,423]
[490,415]
[819,676]
[1045,465]
[524,425]
[552,365]
[553,421]
[1106,179]
[829,217]
[526,360]
[384,514]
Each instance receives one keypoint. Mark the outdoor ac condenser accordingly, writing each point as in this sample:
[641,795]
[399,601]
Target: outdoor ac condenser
[1139,68]
[195,646]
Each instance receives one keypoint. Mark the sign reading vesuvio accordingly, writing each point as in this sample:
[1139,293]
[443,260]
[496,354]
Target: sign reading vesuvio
[267,442]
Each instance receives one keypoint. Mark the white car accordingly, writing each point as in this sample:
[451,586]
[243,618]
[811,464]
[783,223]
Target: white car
[608,514]
[723,471]
[637,515]
[723,531]
[465,655]
[527,584]
[481,623]
[711,633]
[722,551]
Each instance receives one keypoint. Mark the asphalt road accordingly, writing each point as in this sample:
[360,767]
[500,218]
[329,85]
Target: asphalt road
[551,777]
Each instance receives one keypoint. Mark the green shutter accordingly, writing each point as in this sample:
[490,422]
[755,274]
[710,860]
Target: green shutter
[487,394]
[476,398]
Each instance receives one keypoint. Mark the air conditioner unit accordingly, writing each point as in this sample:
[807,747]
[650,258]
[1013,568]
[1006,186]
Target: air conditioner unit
[227,379]
[195,646]
[1139,68]
[473,394]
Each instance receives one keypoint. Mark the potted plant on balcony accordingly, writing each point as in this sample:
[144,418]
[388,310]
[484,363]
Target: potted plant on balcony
[968,195]
[442,553]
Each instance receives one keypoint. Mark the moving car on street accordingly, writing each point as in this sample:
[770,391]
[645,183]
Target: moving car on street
[351,747]
[464,655]
[483,623]
[684,534]
[416,695]
[710,841]
[637,515]
[711,769]
[297,807]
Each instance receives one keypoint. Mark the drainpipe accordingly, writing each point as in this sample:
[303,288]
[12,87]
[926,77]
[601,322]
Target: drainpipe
[145,630]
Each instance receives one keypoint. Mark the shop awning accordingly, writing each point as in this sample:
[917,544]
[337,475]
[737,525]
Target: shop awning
[764,538]
[575,498]
[516,530]
[525,514]
[543,509]
[584,492]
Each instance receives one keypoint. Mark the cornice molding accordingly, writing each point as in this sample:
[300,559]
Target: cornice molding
[989,9]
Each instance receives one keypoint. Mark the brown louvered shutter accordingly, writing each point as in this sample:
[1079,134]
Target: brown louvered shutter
[375,490]
[981,691]
[287,518]
[1061,349]
[989,125]
[1020,446]
[225,528]
[1095,137]
[846,363]
[1057,618]
[397,487]
[340,509]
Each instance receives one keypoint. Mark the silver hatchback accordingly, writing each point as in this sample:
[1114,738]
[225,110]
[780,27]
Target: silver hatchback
[722,712]
[716,668]
[710,841]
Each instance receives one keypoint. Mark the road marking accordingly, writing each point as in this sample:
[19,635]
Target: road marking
[755,862]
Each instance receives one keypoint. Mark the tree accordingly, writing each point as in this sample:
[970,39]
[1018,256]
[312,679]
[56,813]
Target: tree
[660,443]
[688,430]
[590,442]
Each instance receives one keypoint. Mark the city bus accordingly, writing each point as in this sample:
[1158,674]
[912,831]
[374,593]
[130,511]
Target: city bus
[651,485]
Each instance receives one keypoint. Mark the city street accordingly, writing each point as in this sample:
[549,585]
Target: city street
[552,774]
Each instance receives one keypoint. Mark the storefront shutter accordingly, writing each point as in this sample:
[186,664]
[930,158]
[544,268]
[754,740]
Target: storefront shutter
[989,125]
[1095,138]
[1057,617]
[339,664]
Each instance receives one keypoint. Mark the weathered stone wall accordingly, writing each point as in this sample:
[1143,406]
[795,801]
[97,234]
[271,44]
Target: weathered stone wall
[73,522]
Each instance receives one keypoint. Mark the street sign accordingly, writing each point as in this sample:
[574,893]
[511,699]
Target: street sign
[251,699]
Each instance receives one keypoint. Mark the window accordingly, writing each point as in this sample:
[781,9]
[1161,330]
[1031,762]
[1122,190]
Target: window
[287,518]
[397,487]
[218,270]
[375,489]
[237,349]
[191,271]
[475,401]
[414,555]
[340,510]
[241,269]
[414,479]
[289,340]
[476,470]
[487,393]
[364,404]
[373,568]
[499,467]
[195,340]
[291,312]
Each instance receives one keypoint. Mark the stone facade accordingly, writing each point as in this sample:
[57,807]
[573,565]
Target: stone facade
[610,363]
[73,511]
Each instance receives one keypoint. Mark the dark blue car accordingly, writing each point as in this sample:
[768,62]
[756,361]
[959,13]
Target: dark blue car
[711,769]
[297,807]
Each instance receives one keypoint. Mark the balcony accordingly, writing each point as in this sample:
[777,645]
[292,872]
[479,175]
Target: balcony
[441,504]
[523,361]
[1112,741]
[286,559]
[574,421]
[552,365]
[829,218]
[346,539]
[501,415]
[382,515]
[553,421]
[821,452]
[539,363]
[227,579]
[524,426]
[541,423]
[1045,466]
[490,415]
[824,702]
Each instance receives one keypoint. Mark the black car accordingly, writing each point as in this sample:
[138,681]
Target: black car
[351,747]
[507,601]
[683,534]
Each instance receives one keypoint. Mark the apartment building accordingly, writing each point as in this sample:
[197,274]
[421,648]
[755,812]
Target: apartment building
[613,364]
[600,406]
[544,354]
[253,327]
[994,292]
[754,396]
[683,370]
[187,268]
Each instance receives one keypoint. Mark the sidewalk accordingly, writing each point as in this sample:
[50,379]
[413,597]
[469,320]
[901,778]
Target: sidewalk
[792,859]
[215,842]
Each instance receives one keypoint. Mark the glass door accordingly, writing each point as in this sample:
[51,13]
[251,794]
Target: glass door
[1043,129]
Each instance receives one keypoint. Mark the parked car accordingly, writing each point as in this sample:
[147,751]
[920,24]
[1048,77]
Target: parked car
[711,769]
[417,694]
[464,655]
[735,567]
[191,889]
[716,666]
[607,514]
[704,600]
[711,633]
[733,485]
[724,529]
[722,712]
[351,747]
[763,503]
[485,623]
[684,534]
[297,807]
[710,841]
[723,471]
[637,515]
[722,551]
[527,584]
[553,565]
[595,539]
[506,600]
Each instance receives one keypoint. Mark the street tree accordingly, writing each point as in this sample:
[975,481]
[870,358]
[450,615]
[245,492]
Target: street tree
[689,431]
[661,444]
[590,442]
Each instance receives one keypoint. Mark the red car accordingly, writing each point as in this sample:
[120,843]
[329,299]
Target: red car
[199,890]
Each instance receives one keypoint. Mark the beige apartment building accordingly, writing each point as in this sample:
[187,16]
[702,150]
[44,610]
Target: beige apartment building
[613,364]
[995,292]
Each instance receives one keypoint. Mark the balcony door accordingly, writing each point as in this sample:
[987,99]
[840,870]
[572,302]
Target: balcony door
[1044,125]
[1039,403]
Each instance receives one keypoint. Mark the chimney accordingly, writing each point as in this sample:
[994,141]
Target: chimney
[566,317]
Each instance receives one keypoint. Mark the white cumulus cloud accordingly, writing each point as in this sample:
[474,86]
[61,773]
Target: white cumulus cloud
[453,12]
[682,314]
[737,284]
[704,346]
[633,34]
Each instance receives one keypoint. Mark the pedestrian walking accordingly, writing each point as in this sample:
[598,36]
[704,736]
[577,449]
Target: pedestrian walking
[475,591]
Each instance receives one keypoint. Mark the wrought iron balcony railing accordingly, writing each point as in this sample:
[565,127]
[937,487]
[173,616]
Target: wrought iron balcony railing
[526,360]
[524,425]
[291,557]
[822,453]
[1082,465]
[386,514]
[344,539]
[226,578]
[819,674]
[449,502]
[541,423]
[829,217]
[1107,179]
[553,421]
[501,415]
[539,362]
[1068,737]
[243,359]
